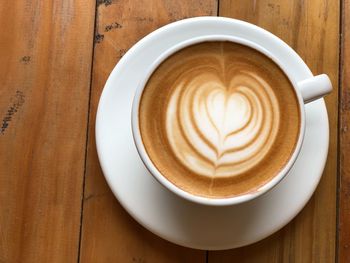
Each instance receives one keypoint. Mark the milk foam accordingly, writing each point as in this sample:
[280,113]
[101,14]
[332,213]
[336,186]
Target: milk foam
[221,125]
[219,119]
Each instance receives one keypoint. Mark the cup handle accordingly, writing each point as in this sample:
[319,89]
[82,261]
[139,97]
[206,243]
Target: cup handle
[315,87]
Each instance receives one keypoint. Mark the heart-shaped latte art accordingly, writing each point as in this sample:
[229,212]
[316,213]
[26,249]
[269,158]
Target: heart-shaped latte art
[222,128]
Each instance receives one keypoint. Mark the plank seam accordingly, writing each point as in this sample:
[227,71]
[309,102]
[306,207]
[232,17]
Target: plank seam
[340,88]
[87,132]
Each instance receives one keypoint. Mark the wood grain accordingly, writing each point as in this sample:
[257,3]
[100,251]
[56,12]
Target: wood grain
[109,234]
[344,140]
[45,54]
[312,29]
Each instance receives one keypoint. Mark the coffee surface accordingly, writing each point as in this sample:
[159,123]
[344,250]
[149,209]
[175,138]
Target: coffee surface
[219,119]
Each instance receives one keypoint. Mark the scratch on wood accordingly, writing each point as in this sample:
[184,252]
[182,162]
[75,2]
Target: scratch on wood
[99,38]
[345,105]
[104,2]
[112,26]
[90,196]
[17,102]
[122,52]
[25,60]
[275,8]
[143,19]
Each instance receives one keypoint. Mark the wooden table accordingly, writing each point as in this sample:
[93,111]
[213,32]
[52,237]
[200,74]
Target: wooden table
[55,57]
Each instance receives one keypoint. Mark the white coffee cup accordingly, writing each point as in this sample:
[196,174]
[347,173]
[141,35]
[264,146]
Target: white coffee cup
[307,90]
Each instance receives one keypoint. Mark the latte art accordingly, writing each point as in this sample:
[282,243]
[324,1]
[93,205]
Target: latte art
[218,130]
[219,119]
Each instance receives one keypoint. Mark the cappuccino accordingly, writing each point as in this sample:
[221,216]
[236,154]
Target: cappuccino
[219,119]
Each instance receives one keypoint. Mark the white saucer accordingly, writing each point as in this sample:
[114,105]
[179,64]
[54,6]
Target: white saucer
[170,216]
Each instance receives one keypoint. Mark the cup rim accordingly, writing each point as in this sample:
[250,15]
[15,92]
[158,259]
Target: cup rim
[154,170]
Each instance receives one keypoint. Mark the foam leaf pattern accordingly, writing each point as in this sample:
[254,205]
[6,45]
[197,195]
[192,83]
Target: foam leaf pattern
[221,128]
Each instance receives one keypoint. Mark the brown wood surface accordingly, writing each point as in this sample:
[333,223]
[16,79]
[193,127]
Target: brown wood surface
[344,140]
[55,205]
[45,66]
[312,29]
[109,234]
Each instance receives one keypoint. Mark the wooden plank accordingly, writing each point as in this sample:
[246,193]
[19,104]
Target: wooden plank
[109,234]
[312,29]
[45,54]
[344,139]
